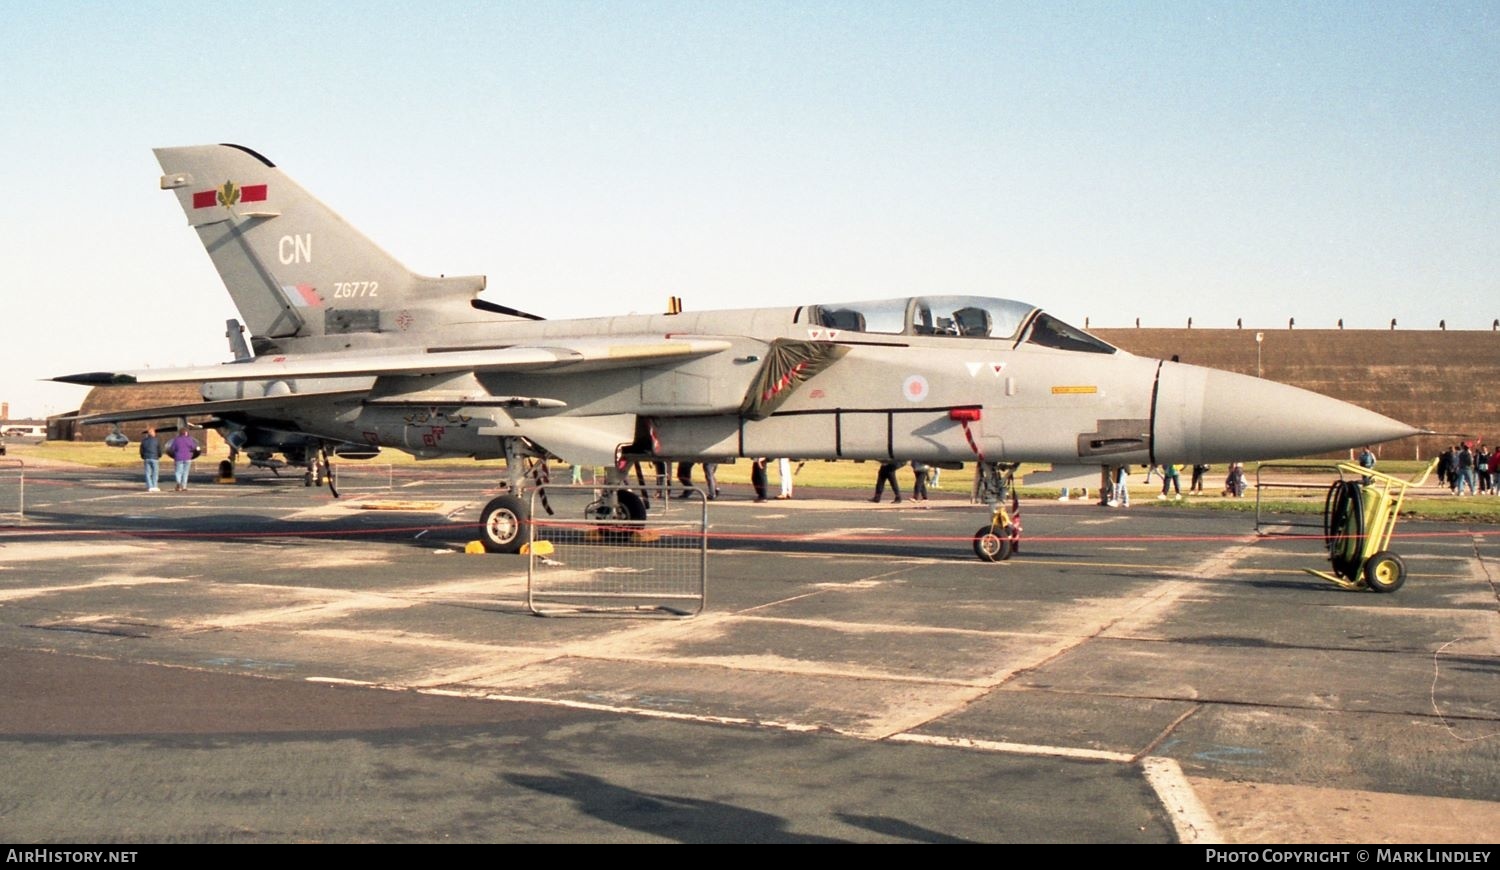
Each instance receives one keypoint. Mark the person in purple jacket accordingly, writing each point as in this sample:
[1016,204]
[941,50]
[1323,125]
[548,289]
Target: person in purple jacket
[183,449]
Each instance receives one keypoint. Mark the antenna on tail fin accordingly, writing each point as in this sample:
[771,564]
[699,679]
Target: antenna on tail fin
[235,332]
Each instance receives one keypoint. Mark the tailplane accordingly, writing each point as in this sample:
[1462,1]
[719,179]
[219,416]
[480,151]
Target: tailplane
[299,274]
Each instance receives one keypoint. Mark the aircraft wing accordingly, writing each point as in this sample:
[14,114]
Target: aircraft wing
[578,354]
[219,408]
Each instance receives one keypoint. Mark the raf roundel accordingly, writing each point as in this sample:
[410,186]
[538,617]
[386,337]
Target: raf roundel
[914,388]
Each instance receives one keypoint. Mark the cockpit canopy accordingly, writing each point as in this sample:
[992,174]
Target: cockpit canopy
[958,316]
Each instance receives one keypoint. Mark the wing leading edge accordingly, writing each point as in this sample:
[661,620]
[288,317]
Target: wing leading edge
[218,409]
[575,355]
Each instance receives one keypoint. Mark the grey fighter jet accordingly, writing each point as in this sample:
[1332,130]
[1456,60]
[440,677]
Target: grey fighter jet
[348,346]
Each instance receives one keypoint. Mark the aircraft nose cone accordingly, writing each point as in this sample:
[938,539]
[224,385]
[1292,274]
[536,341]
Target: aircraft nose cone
[1227,417]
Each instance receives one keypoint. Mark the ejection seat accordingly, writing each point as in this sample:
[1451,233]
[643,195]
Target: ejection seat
[844,318]
[973,322]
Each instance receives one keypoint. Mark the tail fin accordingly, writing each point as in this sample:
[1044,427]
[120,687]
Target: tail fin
[296,270]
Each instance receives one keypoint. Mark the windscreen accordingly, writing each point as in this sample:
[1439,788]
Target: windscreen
[1048,331]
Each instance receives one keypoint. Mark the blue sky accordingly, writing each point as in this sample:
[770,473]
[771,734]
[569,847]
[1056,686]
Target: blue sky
[1107,161]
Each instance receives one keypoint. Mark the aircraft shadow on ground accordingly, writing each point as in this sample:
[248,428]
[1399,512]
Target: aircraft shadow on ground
[673,817]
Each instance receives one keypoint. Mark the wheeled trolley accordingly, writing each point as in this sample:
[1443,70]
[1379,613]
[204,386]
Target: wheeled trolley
[1358,519]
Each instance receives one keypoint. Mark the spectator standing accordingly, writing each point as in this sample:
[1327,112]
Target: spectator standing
[919,486]
[1121,491]
[151,458]
[711,479]
[887,474]
[1367,460]
[784,476]
[183,450]
[1171,478]
[1199,471]
[1466,476]
[660,468]
[758,477]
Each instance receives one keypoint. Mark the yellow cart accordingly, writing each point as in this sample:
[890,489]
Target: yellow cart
[1358,519]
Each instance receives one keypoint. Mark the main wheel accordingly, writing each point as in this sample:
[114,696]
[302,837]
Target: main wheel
[632,504]
[1385,572]
[992,547]
[627,506]
[502,524]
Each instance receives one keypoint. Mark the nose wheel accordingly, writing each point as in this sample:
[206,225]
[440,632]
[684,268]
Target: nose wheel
[993,545]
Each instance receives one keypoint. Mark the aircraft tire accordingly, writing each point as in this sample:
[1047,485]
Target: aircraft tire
[628,506]
[226,470]
[1384,572]
[633,505]
[502,524]
[990,547]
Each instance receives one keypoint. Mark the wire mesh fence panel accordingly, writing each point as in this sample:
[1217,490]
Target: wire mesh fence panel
[593,552]
[12,491]
[362,476]
[1292,481]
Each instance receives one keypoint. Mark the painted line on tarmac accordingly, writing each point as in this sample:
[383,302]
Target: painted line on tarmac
[39,591]
[1012,748]
[633,711]
[921,739]
[1192,821]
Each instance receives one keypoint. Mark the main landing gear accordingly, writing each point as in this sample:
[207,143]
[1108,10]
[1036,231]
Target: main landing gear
[320,470]
[503,523]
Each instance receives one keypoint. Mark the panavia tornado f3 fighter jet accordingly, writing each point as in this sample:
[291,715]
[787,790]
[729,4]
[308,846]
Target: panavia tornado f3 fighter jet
[350,348]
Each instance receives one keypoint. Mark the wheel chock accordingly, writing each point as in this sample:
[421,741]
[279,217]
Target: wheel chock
[539,548]
[474,547]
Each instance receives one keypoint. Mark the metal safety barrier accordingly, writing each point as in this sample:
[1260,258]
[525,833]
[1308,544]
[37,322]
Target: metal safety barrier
[592,552]
[363,475]
[1299,480]
[12,490]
